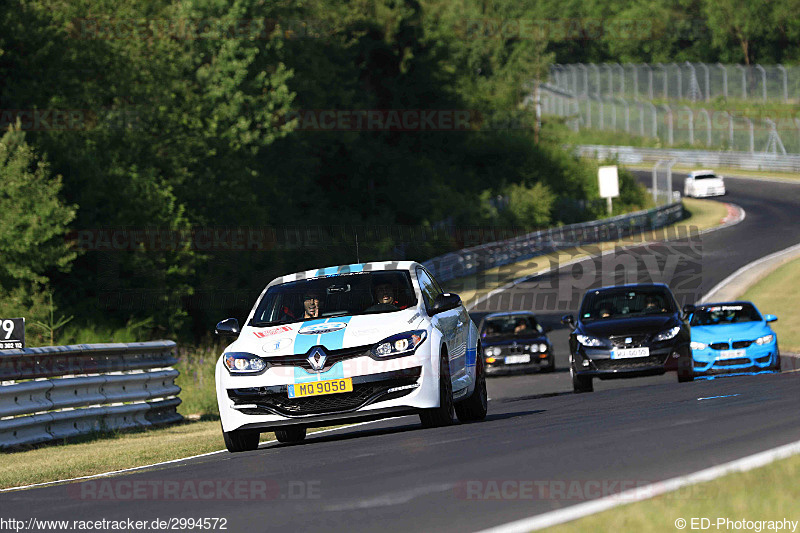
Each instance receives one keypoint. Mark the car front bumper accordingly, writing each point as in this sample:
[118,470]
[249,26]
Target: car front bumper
[756,358]
[391,388]
[499,365]
[592,362]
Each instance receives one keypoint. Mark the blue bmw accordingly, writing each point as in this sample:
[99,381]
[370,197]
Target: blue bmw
[732,337]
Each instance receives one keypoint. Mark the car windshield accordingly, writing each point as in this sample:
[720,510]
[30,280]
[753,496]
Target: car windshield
[510,325]
[624,302]
[339,295]
[724,314]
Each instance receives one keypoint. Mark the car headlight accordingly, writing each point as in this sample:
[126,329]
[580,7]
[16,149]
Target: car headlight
[698,345]
[766,339]
[669,334]
[243,362]
[492,351]
[542,347]
[400,344]
[592,342]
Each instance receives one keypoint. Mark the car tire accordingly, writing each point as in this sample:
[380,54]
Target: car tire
[580,383]
[685,367]
[475,407]
[442,415]
[776,366]
[290,434]
[241,440]
[551,364]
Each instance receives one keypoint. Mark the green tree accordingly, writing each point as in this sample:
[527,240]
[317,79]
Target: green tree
[33,223]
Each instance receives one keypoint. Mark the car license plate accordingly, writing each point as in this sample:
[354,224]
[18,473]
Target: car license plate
[517,359]
[625,353]
[731,354]
[318,388]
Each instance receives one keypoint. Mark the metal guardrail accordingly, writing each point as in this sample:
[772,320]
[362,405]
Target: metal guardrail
[743,160]
[56,392]
[495,254]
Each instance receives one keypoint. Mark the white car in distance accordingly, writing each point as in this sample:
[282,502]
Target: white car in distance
[702,183]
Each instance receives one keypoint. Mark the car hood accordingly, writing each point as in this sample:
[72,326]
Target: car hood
[628,326]
[333,333]
[725,332]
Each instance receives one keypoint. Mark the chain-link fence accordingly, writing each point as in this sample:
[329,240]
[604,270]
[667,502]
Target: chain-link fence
[695,82]
[674,124]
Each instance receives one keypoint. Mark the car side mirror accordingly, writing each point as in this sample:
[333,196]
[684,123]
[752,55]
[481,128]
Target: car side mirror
[688,309]
[770,318]
[445,302]
[227,328]
[568,320]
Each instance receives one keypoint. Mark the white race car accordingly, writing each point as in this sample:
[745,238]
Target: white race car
[344,344]
[701,183]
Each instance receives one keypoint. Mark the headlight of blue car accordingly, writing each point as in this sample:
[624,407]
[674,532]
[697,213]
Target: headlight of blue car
[766,339]
[698,345]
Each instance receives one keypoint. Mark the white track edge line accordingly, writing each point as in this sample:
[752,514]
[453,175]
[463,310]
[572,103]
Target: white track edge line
[582,510]
[172,461]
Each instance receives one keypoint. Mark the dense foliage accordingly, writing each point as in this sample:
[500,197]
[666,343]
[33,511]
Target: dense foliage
[161,135]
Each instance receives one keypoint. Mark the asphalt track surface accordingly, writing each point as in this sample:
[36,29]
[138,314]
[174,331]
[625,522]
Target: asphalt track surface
[550,447]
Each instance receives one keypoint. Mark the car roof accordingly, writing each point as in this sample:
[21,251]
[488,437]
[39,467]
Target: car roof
[346,269]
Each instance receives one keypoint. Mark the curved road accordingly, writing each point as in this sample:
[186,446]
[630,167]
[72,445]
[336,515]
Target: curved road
[552,448]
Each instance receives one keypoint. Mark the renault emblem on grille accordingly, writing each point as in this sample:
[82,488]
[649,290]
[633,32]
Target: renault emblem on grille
[317,358]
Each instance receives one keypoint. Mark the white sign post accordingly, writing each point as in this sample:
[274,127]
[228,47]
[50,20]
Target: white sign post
[608,179]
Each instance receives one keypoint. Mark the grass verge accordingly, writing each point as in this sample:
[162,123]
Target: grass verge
[766,493]
[703,214]
[109,452]
[777,294]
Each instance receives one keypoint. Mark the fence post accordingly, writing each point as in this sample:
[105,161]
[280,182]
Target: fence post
[585,79]
[785,83]
[680,81]
[597,78]
[670,135]
[724,80]
[655,119]
[744,81]
[707,80]
[649,81]
[763,82]
[641,118]
[691,124]
[621,79]
[664,69]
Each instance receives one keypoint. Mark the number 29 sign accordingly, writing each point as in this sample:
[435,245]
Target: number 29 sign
[12,333]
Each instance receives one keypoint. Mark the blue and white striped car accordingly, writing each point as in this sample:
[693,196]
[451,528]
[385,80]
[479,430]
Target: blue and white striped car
[348,343]
[733,337]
